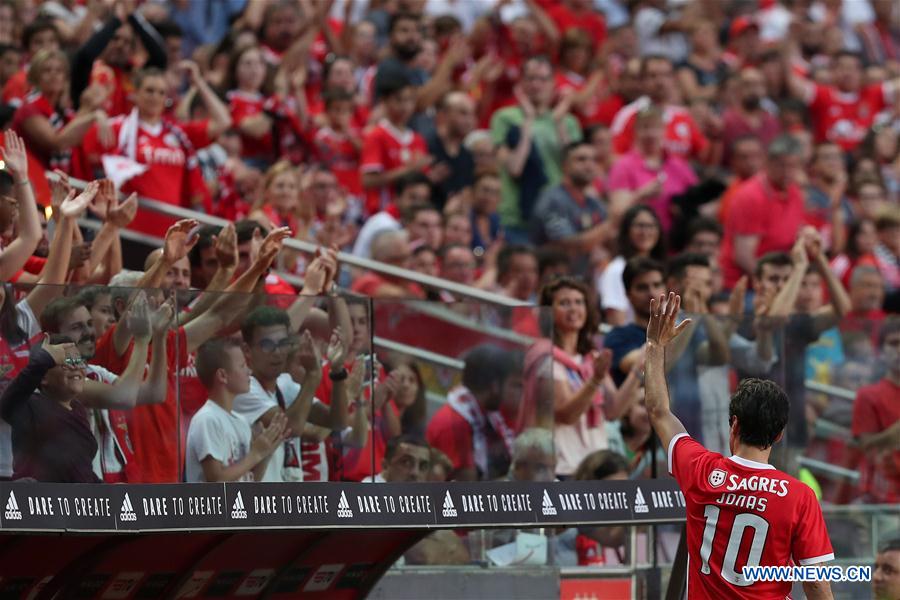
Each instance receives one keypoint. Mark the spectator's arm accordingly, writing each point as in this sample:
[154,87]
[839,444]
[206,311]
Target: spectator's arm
[745,252]
[219,115]
[43,136]
[151,392]
[151,40]
[28,227]
[441,81]
[798,86]
[545,24]
[375,179]
[716,350]
[57,265]
[261,448]
[19,391]
[598,235]
[888,439]
[840,304]
[513,160]
[123,394]
[619,401]
[84,58]
[786,298]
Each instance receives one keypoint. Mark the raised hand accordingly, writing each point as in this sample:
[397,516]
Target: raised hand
[74,206]
[315,278]
[59,191]
[180,238]
[61,353]
[191,69]
[226,247]
[602,362]
[268,439]
[798,253]
[14,156]
[355,379]
[255,244]
[106,196]
[138,317]
[161,318]
[335,351]
[525,104]
[121,215]
[308,354]
[738,297]
[661,328]
[271,246]
[389,388]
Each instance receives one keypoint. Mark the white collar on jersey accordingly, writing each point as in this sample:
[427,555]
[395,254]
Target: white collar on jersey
[751,464]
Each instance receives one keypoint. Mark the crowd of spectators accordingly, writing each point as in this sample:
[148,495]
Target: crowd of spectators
[577,156]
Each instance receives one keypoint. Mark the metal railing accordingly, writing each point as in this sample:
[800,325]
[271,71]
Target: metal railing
[464,291]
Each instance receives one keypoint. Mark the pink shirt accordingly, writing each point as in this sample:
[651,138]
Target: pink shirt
[630,172]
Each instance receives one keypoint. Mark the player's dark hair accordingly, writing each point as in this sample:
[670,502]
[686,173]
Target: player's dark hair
[761,409]
[892,545]
[776,259]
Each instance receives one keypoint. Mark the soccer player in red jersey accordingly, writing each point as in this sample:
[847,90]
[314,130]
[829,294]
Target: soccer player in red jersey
[741,511]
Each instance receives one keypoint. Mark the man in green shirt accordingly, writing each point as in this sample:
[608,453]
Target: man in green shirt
[530,138]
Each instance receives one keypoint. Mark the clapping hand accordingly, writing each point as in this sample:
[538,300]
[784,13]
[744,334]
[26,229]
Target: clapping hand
[138,318]
[267,440]
[121,215]
[61,353]
[226,247]
[271,246]
[74,206]
[162,317]
[336,349]
[14,156]
[180,238]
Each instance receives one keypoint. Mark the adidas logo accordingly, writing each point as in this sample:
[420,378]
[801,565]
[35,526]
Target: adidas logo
[12,512]
[449,509]
[127,513]
[344,507]
[640,505]
[547,506]
[237,509]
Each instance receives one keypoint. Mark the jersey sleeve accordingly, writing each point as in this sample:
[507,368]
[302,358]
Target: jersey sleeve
[865,416]
[810,544]
[683,454]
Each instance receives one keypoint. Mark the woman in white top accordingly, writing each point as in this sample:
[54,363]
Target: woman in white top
[639,235]
[584,396]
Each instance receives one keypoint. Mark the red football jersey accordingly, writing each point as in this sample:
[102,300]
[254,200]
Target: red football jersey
[172,176]
[243,105]
[683,137]
[384,149]
[337,152]
[845,118]
[743,513]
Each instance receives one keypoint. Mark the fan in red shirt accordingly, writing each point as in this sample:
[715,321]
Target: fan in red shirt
[843,113]
[391,149]
[683,136]
[40,34]
[578,14]
[269,125]
[741,511]
[876,423]
[158,155]
[338,143]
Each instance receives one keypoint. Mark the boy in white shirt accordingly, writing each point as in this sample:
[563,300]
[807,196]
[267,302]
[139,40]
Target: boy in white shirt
[220,445]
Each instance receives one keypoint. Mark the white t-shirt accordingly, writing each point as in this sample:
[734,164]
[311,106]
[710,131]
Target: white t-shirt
[257,402]
[28,323]
[220,434]
[574,442]
[612,290]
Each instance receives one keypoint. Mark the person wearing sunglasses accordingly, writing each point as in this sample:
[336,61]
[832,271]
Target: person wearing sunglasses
[47,406]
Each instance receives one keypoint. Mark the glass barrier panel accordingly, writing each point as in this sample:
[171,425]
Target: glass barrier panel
[89,349]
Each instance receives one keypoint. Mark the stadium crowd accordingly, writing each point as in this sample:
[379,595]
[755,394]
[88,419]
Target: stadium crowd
[579,156]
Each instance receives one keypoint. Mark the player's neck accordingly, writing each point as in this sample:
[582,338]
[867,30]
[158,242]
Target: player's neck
[753,453]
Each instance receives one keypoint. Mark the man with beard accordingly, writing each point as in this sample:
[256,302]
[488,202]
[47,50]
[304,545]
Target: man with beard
[568,215]
[405,41]
[115,47]
[747,117]
[70,317]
